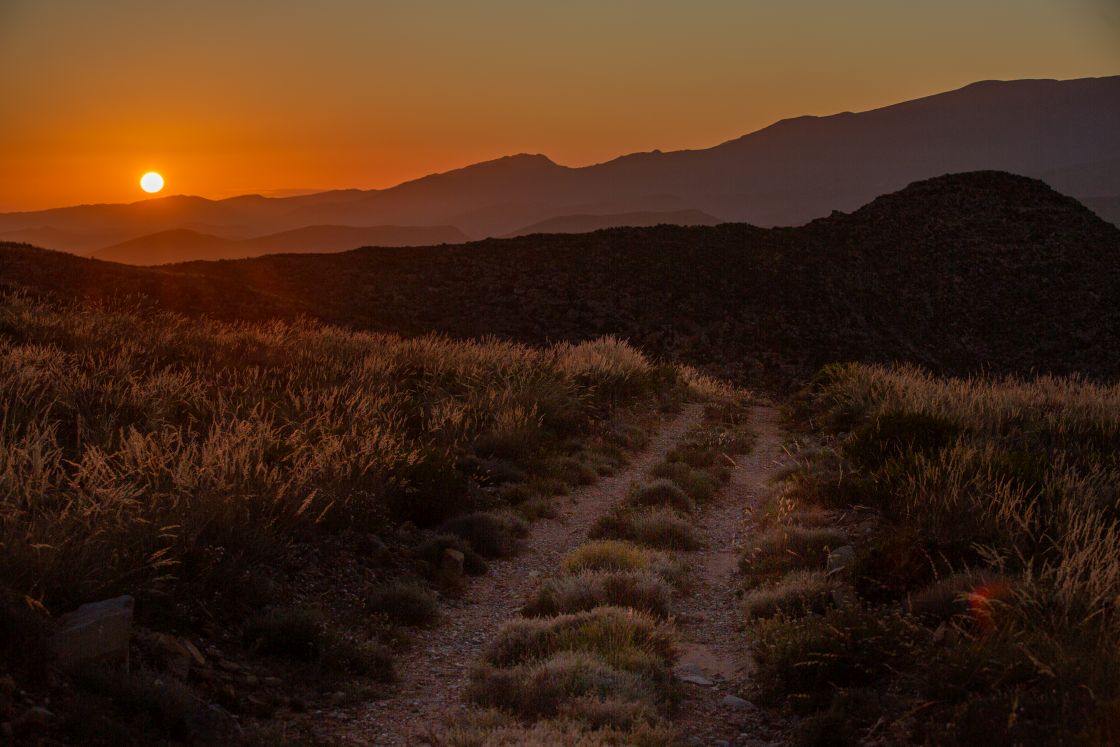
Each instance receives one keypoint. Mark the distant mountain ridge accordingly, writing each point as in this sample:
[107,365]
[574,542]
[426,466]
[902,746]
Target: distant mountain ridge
[584,223]
[1063,132]
[184,245]
[961,273]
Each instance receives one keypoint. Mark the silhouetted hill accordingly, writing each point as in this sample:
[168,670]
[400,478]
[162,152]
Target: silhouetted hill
[183,245]
[587,223]
[964,272]
[1063,132]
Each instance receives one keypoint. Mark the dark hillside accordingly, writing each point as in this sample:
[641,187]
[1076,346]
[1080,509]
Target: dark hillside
[982,270]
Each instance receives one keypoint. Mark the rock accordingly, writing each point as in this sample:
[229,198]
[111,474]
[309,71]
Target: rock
[7,685]
[33,719]
[720,743]
[732,701]
[451,566]
[696,679]
[196,656]
[841,558]
[176,656]
[98,631]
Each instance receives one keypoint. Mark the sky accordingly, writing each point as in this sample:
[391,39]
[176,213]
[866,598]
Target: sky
[266,96]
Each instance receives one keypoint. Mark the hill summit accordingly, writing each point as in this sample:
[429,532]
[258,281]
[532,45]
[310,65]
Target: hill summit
[961,273]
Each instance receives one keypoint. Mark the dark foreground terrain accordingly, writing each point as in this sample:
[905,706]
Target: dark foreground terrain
[963,273]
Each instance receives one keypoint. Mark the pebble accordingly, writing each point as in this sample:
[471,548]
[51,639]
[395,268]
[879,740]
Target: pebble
[696,679]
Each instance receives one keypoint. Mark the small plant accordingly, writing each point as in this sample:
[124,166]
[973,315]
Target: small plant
[492,535]
[657,528]
[638,590]
[797,593]
[786,548]
[607,555]
[432,552]
[700,485]
[621,637]
[404,603]
[288,633]
[662,493]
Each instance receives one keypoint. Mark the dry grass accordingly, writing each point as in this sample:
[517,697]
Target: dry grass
[796,593]
[993,545]
[659,528]
[139,448]
[640,590]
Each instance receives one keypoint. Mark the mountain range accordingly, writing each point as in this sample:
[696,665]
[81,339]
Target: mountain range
[961,273]
[1063,132]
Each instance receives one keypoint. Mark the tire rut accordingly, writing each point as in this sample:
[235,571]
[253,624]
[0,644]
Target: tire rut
[434,671]
[715,663]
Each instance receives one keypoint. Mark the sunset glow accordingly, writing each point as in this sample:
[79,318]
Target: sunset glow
[371,94]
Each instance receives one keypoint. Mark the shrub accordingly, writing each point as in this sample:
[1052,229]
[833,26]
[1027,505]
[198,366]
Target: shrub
[638,590]
[404,603]
[806,657]
[571,471]
[492,535]
[288,633]
[657,528]
[700,485]
[136,706]
[662,493]
[623,638]
[545,688]
[431,551]
[786,548]
[607,555]
[797,593]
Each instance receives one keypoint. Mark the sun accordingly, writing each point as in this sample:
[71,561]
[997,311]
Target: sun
[151,182]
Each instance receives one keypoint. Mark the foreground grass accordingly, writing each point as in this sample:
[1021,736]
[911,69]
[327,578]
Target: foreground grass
[979,599]
[180,460]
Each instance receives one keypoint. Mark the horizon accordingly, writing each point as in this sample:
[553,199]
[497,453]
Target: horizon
[362,96]
[283,193]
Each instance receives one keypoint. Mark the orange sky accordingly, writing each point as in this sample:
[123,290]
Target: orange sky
[228,98]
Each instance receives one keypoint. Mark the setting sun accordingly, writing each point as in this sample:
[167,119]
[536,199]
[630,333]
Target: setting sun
[151,182]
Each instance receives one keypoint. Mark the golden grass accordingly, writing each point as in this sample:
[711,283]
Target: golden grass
[138,447]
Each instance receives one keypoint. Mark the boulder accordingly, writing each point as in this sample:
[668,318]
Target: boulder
[451,566]
[98,631]
[841,559]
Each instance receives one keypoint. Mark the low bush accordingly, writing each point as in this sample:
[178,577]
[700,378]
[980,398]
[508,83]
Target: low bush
[795,594]
[623,638]
[404,604]
[805,658]
[551,685]
[492,535]
[640,590]
[700,485]
[661,493]
[607,555]
[112,707]
[616,555]
[300,636]
[658,528]
[431,551]
[786,548]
